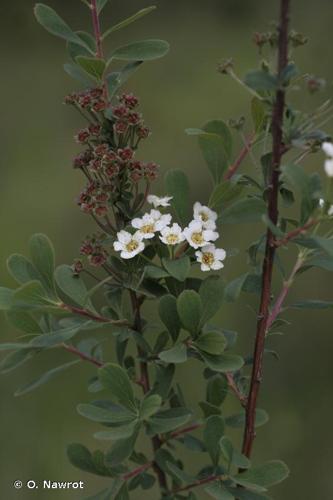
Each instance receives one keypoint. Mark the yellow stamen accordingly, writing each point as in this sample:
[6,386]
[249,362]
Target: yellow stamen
[148,228]
[172,239]
[197,238]
[204,216]
[132,245]
[208,258]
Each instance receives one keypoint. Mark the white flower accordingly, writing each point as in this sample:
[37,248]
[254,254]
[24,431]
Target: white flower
[210,258]
[129,245]
[150,223]
[197,235]
[322,204]
[327,147]
[156,201]
[204,215]
[328,166]
[172,235]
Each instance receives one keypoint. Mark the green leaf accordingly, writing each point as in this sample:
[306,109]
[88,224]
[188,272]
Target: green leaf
[32,296]
[122,449]
[53,23]
[93,66]
[217,390]
[223,362]
[6,297]
[23,321]
[212,433]
[129,20]
[232,456]
[261,81]
[258,113]
[150,405]
[180,474]
[312,304]
[118,432]
[177,354]
[243,494]
[100,5]
[115,378]
[42,255]
[155,272]
[15,359]
[116,415]
[57,337]
[168,313]
[212,295]
[211,342]
[243,211]
[177,186]
[218,491]
[168,420]
[265,475]
[224,193]
[116,79]
[145,50]
[43,379]
[234,288]
[80,457]
[74,71]
[178,268]
[215,143]
[189,307]
[238,421]
[21,269]
[72,286]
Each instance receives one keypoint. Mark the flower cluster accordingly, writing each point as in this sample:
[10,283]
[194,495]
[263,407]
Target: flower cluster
[199,234]
[110,140]
[93,248]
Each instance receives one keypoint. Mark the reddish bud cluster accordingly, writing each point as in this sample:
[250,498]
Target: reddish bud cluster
[92,247]
[77,267]
[92,99]
[126,120]
[94,200]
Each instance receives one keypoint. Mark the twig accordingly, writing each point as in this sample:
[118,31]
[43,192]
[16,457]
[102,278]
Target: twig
[233,386]
[82,355]
[92,316]
[97,28]
[296,232]
[284,292]
[198,483]
[243,153]
[137,471]
[273,190]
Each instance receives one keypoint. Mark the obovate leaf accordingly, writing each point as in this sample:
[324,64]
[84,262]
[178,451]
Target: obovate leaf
[118,432]
[212,295]
[95,67]
[178,268]
[53,23]
[238,420]
[213,432]
[115,378]
[244,211]
[168,420]
[150,405]
[122,449]
[145,50]
[114,415]
[189,307]
[177,354]
[23,321]
[22,270]
[168,313]
[42,255]
[129,20]
[6,297]
[211,342]
[223,362]
[177,186]
[72,286]
[265,475]
[43,379]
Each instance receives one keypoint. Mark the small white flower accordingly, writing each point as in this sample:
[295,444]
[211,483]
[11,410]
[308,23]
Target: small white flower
[129,245]
[156,201]
[197,235]
[172,235]
[327,147]
[330,210]
[150,223]
[210,258]
[204,215]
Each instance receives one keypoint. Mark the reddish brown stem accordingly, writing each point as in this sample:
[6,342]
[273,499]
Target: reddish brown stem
[198,483]
[273,192]
[92,316]
[296,232]
[233,386]
[182,432]
[145,384]
[97,28]
[137,471]
[242,155]
[82,355]
[283,294]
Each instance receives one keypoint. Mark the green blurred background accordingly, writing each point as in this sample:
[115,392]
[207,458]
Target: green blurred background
[37,192]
